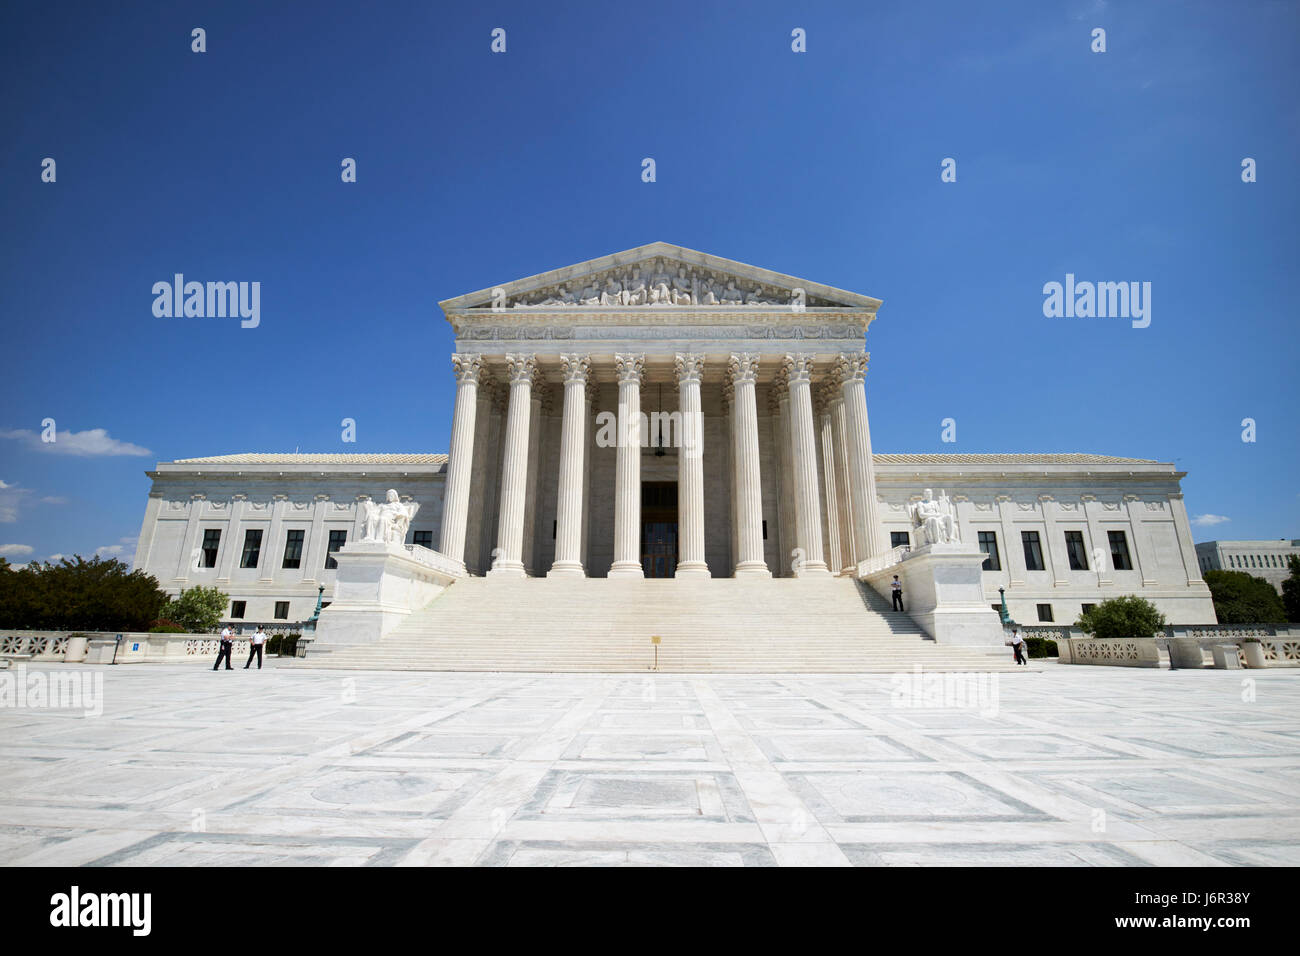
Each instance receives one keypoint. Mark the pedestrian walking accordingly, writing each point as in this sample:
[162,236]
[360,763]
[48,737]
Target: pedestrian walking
[227,645]
[897,587]
[1018,646]
[255,647]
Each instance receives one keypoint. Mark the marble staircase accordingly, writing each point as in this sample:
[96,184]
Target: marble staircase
[834,625]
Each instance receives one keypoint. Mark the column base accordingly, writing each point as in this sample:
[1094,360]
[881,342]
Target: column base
[692,569]
[752,569]
[511,570]
[566,569]
[813,569]
[627,569]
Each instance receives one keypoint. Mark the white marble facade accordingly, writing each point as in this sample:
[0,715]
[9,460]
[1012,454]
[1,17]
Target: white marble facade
[775,474]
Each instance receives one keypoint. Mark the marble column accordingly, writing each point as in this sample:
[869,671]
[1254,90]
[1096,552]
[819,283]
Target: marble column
[460,459]
[573,468]
[729,473]
[826,431]
[843,487]
[803,444]
[748,489]
[539,410]
[779,404]
[588,411]
[852,370]
[627,490]
[689,370]
[514,468]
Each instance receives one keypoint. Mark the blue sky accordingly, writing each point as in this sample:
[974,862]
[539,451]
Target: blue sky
[476,168]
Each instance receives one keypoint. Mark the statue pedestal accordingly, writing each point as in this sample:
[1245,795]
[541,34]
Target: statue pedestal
[378,586]
[944,593]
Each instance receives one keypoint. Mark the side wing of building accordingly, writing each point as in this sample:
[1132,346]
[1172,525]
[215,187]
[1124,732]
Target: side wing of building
[262,527]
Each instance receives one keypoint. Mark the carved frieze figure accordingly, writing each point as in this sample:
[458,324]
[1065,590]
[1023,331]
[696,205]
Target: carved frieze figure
[660,292]
[935,519]
[708,292]
[731,295]
[590,295]
[681,288]
[634,290]
[388,522]
[613,293]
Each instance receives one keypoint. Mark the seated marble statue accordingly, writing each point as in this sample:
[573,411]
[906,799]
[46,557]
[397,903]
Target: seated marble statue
[681,289]
[709,293]
[634,290]
[613,292]
[560,297]
[731,295]
[388,522]
[935,519]
[590,296]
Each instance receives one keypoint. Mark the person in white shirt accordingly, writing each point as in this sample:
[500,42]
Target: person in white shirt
[227,644]
[255,647]
[1018,646]
[897,587]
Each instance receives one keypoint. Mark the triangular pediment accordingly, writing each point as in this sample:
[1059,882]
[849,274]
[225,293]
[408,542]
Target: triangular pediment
[659,276]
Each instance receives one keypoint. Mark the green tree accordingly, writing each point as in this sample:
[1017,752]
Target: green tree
[1127,616]
[78,595]
[1241,598]
[197,609]
[1291,589]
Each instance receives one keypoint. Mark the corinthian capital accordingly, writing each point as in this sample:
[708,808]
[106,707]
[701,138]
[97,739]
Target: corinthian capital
[630,368]
[467,368]
[797,368]
[742,367]
[577,368]
[521,368]
[852,366]
[689,368]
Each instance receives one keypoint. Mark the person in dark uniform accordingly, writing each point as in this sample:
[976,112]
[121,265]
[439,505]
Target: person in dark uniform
[897,587]
[227,645]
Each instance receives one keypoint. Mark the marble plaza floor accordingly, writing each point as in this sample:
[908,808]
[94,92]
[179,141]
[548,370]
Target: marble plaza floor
[1066,765]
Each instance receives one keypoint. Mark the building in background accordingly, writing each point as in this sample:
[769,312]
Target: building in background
[1262,559]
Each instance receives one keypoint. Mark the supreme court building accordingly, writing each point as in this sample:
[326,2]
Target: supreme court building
[663,412]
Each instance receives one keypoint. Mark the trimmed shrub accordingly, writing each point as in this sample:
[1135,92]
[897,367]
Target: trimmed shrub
[1041,647]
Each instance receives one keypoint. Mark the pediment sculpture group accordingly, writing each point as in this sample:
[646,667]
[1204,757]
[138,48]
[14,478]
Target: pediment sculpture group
[657,286]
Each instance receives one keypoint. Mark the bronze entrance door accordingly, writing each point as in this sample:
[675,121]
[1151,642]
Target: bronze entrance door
[659,528]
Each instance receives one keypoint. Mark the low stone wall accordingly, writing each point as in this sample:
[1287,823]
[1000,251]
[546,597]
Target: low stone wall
[1183,651]
[73,647]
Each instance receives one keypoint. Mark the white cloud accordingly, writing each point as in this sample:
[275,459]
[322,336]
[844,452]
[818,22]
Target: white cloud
[55,558]
[15,549]
[92,443]
[118,550]
[54,500]
[1204,520]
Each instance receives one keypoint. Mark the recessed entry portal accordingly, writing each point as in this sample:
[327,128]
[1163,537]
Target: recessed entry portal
[659,528]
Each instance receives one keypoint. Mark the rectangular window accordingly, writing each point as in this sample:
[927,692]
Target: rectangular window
[764,529]
[423,539]
[1033,550]
[337,540]
[282,609]
[211,544]
[989,545]
[1119,555]
[1087,607]
[237,609]
[899,539]
[1045,612]
[293,549]
[252,548]
[1077,552]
